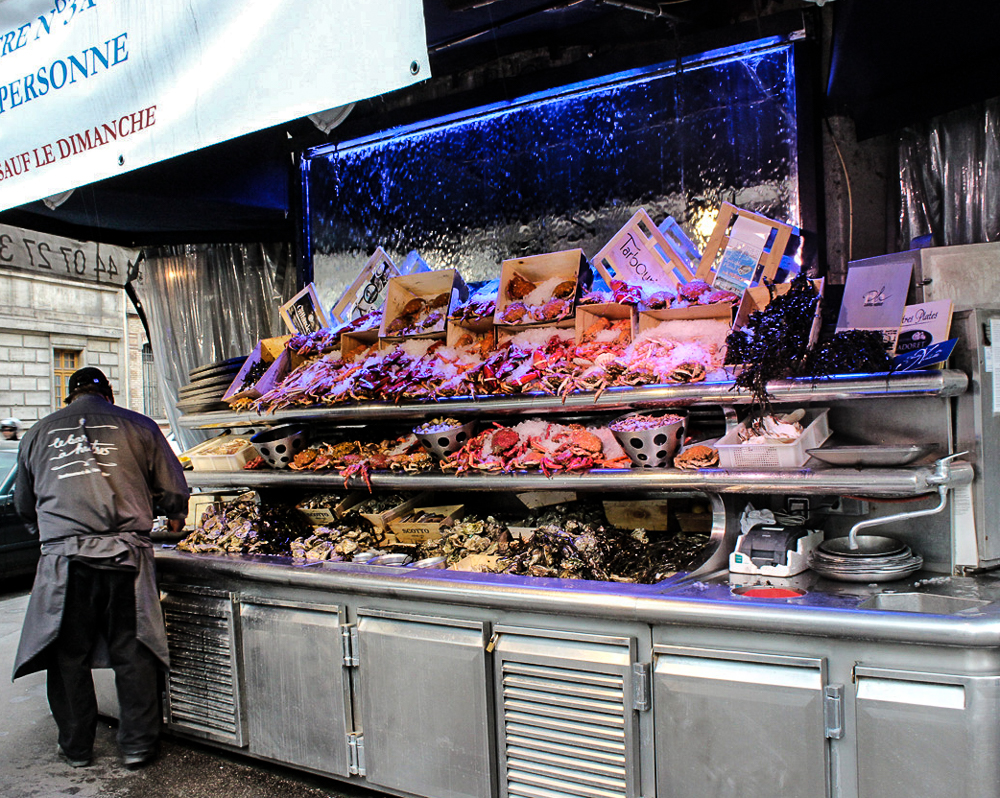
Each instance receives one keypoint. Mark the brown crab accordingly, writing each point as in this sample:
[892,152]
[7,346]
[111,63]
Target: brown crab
[687,372]
[519,288]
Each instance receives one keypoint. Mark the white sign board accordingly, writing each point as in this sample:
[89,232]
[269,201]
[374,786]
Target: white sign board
[93,88]
[65,258]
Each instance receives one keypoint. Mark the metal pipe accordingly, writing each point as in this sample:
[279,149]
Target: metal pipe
[941,477]
[852,536]
[877,483]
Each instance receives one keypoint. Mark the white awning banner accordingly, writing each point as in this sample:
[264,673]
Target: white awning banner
[90,89]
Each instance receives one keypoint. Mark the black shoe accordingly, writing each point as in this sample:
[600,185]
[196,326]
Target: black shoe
[138,759]
[71,761]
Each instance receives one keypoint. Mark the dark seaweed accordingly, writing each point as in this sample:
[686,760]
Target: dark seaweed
[849,352]
[774,343]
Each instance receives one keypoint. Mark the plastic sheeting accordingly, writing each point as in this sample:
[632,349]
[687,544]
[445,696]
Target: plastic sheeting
[949,172]
[209,303]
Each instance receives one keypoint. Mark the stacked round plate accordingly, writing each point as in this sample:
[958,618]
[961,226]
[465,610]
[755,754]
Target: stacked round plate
[877,559]
[208,385]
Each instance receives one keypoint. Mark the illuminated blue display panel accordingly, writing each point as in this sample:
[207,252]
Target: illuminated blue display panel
[563,169]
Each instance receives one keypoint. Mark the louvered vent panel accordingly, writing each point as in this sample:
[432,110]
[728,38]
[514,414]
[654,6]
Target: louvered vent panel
[564,732]
[202,687]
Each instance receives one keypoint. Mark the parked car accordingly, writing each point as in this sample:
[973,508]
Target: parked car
[19,548]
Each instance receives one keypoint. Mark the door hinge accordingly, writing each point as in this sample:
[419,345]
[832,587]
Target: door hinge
[641,686]
[349,641]
[833,711]
[356,754]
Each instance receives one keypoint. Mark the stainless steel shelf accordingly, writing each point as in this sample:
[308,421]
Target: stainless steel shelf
[870,482]
[800,391]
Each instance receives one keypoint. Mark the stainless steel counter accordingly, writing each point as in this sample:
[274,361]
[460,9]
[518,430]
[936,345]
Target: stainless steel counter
[827,609]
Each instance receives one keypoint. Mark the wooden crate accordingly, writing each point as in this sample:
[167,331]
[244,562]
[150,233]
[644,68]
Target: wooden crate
[426,286]
[368,287]
[506,331]
[771,257]
[723,311]
[650,514]
[381,521]
[641,254]
[481,330]
[267,350]
[351,344]
[758,297]
[419,531]
[570,264]
[586,315]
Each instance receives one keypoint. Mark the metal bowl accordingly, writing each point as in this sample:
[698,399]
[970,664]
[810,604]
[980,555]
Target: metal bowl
[654,447]
[391,559]
[278,445]
[429,562]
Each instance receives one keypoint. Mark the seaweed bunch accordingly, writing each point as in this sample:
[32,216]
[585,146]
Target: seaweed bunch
[849,352]
[774,343]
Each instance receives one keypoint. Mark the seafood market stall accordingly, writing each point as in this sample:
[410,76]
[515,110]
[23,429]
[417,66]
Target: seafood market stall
[441,682]
[560,501]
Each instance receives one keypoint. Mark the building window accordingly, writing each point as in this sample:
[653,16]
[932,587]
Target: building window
[152,403]
[64,363]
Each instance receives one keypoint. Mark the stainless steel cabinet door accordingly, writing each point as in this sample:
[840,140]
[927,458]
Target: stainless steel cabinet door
[423,702]
[733,724]
[567,724]
[297,689]
[927,734]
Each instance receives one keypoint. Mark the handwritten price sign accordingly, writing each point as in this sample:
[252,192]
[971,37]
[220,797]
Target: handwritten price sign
[64,258]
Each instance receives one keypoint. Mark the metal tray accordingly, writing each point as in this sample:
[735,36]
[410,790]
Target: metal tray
[888,455]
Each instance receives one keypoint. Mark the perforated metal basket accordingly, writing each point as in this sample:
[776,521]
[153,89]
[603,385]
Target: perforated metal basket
[279,445]
[442,443]
[654,447]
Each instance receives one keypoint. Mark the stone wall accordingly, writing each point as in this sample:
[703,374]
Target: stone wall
[39,315]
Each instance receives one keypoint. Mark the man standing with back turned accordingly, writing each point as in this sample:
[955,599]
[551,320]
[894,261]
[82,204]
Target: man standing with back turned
[91,477]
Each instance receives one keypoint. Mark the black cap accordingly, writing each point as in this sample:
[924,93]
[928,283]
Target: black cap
[89,377]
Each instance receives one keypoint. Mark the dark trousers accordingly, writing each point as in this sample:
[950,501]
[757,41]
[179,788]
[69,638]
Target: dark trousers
[101,602]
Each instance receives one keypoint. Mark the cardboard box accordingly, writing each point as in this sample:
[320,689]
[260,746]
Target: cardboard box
[570,264]
[482,331]
[426,286]
[641,254]
[420,531]
[267,350]
[586,315]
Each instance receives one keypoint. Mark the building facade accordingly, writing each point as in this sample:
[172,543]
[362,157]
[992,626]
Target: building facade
[51,327]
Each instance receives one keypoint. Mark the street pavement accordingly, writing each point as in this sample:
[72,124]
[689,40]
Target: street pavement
[29,767]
